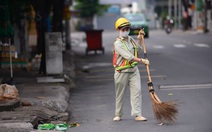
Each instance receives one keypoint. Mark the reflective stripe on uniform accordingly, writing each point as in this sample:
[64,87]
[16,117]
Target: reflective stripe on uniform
[125,63]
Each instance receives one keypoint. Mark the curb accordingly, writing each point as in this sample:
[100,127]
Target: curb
[54,96]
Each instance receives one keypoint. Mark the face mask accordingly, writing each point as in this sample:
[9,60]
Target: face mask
[124,33]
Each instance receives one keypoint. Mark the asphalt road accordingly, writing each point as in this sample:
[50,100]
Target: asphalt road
[180,65]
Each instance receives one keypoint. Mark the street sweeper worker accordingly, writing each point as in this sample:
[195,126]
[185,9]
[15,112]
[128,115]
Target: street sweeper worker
[125,60]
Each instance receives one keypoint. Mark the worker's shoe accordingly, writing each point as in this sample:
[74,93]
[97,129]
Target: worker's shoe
[140,118]
[117,118]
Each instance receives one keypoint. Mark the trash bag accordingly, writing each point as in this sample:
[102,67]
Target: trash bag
[46,126]
[8,92]
[50,126]
[61,127]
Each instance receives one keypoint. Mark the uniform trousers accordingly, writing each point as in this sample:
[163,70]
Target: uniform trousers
[122,81]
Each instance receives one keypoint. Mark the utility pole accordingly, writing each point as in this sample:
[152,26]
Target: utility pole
[195,15]
[175,14]
[179,13]
[170,7]
[207,2]
[67,24]
[67,30]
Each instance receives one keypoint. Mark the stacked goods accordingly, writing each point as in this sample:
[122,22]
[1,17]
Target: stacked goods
[5,51]
[5,57]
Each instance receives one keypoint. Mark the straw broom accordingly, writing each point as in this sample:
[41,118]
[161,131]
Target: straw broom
[163,111]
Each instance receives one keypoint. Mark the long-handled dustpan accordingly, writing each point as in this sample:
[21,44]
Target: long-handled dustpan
[163,111]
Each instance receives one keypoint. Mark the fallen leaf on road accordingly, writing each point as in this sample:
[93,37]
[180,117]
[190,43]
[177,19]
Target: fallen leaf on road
[74,124]
[170,94]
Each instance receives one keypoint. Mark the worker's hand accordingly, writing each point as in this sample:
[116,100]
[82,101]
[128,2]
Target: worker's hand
[145,61]
[141,32]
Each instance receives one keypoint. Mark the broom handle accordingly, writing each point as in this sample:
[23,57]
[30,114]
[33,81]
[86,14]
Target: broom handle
[145,56]
[150,84]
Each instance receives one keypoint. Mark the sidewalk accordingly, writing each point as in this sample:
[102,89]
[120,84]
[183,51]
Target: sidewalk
[47,101]
[192,32]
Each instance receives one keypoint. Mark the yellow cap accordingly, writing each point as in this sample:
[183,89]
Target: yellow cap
[121,22]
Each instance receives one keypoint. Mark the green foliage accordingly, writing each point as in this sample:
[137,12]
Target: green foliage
[200,5]
[18,10]
[164,14]
[89,8]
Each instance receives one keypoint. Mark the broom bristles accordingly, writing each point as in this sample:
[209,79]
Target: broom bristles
[164,111]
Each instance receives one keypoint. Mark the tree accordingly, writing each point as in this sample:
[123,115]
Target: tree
[42,9]
[6,29]
[18,10]
[57,10]
[19,13]
[88,8]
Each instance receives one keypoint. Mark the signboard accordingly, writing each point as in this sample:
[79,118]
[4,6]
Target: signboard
[54,57]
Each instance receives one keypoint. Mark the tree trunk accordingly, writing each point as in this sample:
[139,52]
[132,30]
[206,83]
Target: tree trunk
[42,9]
[58,6]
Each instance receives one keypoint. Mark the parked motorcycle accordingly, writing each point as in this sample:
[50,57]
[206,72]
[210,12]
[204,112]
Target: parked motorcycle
[169,25]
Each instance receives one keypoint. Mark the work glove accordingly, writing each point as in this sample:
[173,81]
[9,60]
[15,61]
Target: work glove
[145,61]
[141,32]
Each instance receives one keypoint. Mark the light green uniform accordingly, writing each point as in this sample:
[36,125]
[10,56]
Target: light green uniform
[128,77]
